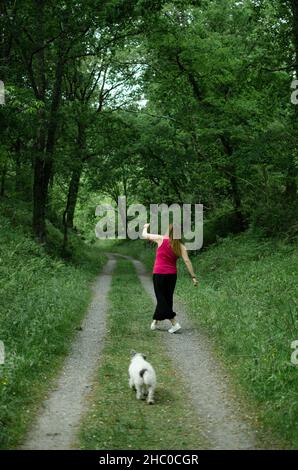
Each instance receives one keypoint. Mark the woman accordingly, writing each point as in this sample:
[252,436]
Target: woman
[165,274]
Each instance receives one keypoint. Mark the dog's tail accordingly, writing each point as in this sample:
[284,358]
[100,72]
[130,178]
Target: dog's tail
[142,372]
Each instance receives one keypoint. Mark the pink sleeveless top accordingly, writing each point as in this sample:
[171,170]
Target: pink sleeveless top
[165,261]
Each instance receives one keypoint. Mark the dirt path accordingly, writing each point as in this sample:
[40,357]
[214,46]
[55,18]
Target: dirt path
[58,420]
[218,410]
[216,406]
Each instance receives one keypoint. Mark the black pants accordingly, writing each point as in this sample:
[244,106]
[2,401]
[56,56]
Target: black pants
[164,286]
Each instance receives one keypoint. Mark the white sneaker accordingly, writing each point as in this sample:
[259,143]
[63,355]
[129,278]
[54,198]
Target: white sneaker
[174,328]
[154,326]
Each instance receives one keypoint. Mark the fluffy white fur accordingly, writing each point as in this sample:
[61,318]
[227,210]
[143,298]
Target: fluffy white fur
[142,377]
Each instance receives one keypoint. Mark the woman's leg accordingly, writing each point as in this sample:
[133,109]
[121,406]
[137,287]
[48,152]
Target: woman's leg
[159,289]
[172,279]
[154,323]
[171,284]
[164,286]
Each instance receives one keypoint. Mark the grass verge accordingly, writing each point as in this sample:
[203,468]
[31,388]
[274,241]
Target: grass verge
[247,303]
[43,301]
[116,420]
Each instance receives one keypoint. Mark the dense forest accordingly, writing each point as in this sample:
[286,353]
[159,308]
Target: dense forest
[173,102]
[158,101]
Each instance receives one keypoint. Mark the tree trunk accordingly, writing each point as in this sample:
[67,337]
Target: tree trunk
[76,173]
[2,181]
[73,194]
[68,214]
[74,185]
[235,192]
[44,160]
[291,176]
[39,200]
[295,30]
[18,180]
[6,42]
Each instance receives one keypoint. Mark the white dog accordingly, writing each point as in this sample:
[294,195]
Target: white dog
[142,377]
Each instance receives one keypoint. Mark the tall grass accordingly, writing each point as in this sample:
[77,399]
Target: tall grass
[43,299]
[247,303]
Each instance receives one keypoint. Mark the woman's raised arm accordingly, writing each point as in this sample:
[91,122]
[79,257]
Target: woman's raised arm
[150,236]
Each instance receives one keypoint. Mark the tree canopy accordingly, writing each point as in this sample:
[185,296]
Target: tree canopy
[182,101]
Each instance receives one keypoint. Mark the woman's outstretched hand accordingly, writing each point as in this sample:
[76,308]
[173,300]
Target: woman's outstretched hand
[146,225]
[195,281]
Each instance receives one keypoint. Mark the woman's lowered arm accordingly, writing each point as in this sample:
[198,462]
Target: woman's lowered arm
[188,264]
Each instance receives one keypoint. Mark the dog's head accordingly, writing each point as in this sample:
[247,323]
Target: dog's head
[133,354]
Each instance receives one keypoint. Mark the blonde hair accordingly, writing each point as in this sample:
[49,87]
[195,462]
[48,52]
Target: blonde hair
[175,242]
